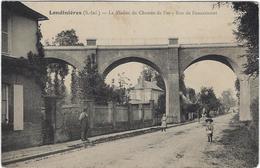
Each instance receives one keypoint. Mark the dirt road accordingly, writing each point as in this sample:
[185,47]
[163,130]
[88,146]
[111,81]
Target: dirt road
[179,147]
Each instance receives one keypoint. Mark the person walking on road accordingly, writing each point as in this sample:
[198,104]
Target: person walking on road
[84,124]
[164,122]
[209,129]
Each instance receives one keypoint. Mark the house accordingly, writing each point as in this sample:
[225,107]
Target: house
[21,94]
[144,91]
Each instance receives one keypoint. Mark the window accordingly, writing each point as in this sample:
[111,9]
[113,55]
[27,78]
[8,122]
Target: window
[4,32]
[5,103]
[12,107]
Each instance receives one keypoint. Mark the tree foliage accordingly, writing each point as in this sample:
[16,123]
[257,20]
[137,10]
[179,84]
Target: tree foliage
[74,86]
[56,79]
[38,62]
[150,74]
[237,87]
[183,104]
[67,38]
[191,94]
[227,100]
[254,126]
[208,99]
[92,85]
[161,105]
[59,70]
[123,80]
[247,32]
[182,84]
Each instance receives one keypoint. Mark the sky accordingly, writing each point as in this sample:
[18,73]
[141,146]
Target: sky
[182,22]
[109,29]
[216,75]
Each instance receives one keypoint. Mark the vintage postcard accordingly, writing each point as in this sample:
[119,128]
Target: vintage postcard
[127,84]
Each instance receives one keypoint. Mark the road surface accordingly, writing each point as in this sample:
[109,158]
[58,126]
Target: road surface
[180,147]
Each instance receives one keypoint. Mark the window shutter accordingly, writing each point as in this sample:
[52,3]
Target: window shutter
[18,107]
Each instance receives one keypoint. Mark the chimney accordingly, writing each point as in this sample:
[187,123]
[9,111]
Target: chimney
[173,41]
[91,42]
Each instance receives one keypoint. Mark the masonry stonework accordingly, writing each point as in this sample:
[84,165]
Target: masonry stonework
[67,127]
[169,60]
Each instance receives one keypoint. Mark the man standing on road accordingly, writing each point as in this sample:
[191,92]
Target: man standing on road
[84,121]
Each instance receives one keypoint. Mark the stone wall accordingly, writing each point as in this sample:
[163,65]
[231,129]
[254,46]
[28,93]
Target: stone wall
[106,119]
[67,124]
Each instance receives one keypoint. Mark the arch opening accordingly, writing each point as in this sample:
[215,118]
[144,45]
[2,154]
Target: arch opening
[131,59]
[59,79]
[212,82]
[143,85]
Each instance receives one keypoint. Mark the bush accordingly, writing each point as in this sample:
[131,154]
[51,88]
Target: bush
[253,127]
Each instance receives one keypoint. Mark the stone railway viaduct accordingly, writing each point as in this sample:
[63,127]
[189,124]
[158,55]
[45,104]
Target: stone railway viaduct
[170,60]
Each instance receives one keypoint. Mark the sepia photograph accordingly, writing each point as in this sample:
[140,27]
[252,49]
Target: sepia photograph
[130,84]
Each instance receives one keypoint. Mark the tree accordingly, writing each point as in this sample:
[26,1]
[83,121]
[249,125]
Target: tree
[150,74]
[74,86]
[182,84]
[227,100]
[38,62]
[123,81]
[125,86]
[237,87]
[182,88]
[92,85]
[67,38]
[56,82]
[160,109]
[208,99]
[247,32]
[59,70]
[191,95]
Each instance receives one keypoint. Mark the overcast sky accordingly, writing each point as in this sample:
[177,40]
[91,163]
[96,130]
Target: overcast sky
[148,29]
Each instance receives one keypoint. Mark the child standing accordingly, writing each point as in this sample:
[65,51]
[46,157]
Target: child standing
[209,129]
[164,122]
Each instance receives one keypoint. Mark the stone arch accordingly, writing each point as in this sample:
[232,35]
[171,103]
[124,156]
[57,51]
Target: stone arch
[120,61]
[244,105]
[56,60]
[219,58]
[68,59]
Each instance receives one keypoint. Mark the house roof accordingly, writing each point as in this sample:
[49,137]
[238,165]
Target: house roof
[148,85]
[19,62]
[22,9]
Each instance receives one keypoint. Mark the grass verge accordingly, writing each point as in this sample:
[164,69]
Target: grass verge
[238,149]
